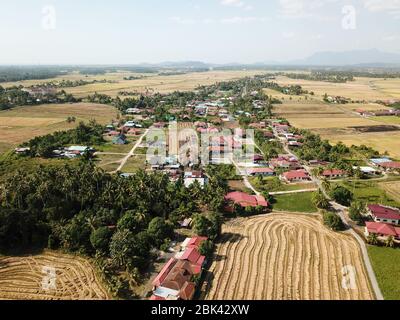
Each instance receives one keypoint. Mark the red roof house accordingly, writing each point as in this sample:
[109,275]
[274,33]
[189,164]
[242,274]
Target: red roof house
[246,200]
[296,176]
[392,165]
[164,272]
[382,229]
[384,214]
[333,173]
[260,171]
[195,242]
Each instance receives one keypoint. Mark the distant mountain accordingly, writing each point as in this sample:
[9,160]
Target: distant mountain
[365,58]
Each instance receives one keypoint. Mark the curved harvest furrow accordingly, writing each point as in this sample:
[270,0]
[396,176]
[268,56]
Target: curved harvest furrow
[285,256]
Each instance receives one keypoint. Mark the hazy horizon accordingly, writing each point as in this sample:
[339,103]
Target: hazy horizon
[134,32]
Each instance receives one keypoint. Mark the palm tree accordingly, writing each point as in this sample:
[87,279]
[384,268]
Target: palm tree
[320,201]
[390,242]
[373,239]
[326,185]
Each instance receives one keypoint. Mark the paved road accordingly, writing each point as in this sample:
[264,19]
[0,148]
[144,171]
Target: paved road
[132,152]
[245,177]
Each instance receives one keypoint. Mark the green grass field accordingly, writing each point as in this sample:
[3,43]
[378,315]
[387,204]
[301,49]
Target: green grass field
[386,264]
[296,202]
[135,163]
[369,192]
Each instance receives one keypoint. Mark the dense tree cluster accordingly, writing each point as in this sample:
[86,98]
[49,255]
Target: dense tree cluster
[328,76]
[81,208]
[9,74]
[84,134]
[15,96]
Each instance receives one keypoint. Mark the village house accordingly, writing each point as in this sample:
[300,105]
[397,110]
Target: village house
[333,173]
[113,133]
[378,161]
[22,150]
[244,200]
[379,113]
[392,166]
[266,172]
[285,162]
[191,177]
[384,214]
[40,91]
[119,140]
[175,281]
[133,111]
[316,163]
[382,230]
[368,170]
[295,176]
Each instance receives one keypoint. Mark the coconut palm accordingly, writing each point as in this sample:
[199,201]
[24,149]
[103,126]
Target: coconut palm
[373,239]
[390,242]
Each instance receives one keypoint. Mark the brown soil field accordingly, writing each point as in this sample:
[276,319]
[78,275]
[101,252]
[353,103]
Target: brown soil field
[361,89]
[381,141]
[21,278]
[340,123]
[162,84]
[285,257]
[392,188]
[23,123]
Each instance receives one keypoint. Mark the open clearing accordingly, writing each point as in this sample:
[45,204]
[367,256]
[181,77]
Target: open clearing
[21,278]
[361,89]
[151,82]
[339,123]
[392,189]
[285,257]
[23,123]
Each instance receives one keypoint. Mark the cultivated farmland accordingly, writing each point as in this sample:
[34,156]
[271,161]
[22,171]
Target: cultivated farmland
[285,256]
[340,123]
[23,123]
[21,278]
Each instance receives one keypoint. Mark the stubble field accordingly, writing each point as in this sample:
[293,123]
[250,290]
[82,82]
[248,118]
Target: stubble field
[23,123]
[285,257]
[22,278]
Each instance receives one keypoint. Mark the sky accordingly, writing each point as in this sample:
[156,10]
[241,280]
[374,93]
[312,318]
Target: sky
[213,31]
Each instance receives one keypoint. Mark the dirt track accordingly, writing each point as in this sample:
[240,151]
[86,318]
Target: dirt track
[285,257]
[21,278]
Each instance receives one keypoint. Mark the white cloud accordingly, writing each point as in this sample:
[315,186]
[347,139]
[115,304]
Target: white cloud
[233,3]
[238,4]
[382,5]
[302,8]
[237,20]
[390,6]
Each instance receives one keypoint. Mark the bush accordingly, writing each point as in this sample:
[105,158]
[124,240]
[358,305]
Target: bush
[342,195]
[206,248]
[333,221]
[100,239]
